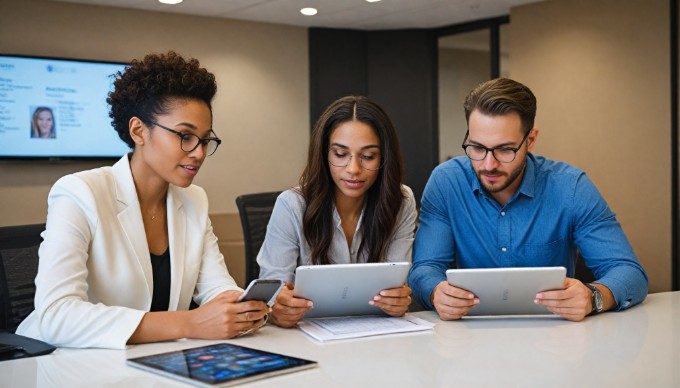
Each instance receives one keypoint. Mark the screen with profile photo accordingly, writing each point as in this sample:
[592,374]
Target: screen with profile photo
[56,108]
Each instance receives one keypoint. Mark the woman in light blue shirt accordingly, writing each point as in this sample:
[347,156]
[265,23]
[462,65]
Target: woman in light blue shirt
[349,207]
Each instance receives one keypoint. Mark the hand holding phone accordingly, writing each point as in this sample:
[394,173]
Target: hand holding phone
[265,290]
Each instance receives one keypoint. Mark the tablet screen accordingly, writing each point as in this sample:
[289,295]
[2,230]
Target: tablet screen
[220,364]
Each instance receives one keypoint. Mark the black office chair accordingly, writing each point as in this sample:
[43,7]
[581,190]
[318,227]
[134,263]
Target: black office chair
[582,272]
[18,268]
[255,211]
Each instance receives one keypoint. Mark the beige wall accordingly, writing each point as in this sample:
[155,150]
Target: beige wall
[459,72]
[600,70]
[261,109]
[227,227]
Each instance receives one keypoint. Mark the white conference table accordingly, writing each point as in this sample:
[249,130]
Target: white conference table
[638,347]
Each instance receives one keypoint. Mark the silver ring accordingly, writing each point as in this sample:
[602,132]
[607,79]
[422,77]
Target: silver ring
[247,319]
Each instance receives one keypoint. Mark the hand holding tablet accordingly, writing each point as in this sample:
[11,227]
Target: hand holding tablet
[345,289]
[289,309]
[507,291]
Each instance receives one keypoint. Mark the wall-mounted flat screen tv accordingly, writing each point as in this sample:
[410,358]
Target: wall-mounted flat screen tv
[56,109]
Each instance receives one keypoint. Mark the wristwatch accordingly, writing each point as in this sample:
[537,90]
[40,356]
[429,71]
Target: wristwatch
[596,300]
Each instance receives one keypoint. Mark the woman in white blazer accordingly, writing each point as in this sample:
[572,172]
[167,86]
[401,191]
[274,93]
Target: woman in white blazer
[127,247]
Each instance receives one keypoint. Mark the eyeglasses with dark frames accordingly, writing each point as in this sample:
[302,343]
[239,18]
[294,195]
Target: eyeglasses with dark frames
[502,154]
[189,141]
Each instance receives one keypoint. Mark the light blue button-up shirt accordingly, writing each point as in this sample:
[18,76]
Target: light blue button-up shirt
[285,247]
[556,212]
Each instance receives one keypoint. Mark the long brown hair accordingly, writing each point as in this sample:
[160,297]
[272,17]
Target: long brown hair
[383,198]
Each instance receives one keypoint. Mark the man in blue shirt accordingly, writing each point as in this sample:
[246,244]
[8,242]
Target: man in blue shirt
[502,206]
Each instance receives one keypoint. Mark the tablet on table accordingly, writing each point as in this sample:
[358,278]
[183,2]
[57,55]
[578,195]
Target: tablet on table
[220,365]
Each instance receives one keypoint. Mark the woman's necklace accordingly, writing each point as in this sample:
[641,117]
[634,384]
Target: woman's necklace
[153,213]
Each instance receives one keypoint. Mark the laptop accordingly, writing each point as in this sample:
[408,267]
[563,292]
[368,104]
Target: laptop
[508,291]
[345,289]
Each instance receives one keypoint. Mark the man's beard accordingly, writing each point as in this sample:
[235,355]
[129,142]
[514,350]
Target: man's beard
[511,178]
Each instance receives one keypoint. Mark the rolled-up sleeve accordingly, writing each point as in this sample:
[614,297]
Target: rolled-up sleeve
[605,248]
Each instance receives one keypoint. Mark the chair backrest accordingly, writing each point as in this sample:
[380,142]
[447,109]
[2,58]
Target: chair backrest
[582,272]
[18,268]
[255,211]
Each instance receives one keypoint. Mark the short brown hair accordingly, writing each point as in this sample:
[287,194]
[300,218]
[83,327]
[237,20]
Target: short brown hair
[501,96]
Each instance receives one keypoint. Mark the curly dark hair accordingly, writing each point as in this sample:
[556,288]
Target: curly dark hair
[146,89]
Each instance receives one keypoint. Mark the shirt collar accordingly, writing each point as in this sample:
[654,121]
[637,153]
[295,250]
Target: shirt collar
[528,186]
[338,221]
[472,177]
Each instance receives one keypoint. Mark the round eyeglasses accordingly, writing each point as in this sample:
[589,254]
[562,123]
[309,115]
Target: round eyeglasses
[502,154]
[369,160]
[189,141]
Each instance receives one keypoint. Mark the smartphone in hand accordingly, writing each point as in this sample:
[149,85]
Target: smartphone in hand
[265,290]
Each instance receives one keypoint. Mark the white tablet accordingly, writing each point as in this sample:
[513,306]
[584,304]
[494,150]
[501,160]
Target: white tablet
[508,291]
[345,289]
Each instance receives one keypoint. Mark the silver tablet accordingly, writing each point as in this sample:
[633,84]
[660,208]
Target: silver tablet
[219,365]
[345,289]
[508,291]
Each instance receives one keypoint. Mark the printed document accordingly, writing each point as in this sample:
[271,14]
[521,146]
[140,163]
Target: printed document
[328,329]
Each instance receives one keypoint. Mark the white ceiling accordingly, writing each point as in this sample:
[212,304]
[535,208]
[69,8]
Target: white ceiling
[355,14]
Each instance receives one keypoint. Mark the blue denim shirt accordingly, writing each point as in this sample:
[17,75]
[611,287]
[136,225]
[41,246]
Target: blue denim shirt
[556,211]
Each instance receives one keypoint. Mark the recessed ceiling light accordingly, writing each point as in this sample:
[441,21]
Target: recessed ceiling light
[309,11]
[372,1]
[170,1]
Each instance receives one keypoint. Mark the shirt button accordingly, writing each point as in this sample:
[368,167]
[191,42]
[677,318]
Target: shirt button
[504,249]
[502,214]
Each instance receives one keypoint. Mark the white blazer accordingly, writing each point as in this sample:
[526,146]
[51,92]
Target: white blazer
[94,280]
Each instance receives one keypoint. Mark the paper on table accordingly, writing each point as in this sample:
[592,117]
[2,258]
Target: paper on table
[328,329]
